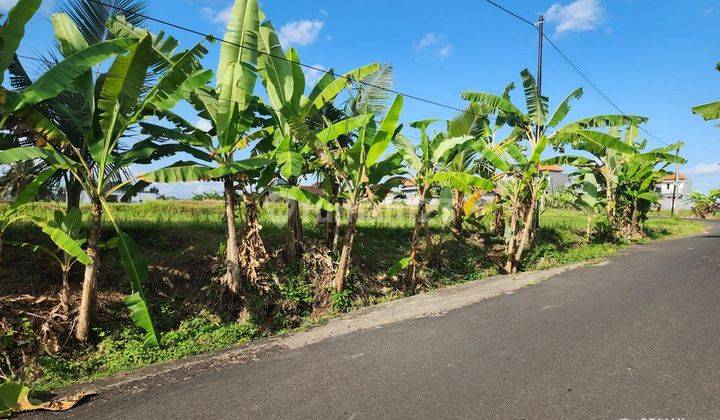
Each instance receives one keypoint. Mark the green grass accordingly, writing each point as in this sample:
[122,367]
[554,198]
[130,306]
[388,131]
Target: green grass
[182,239]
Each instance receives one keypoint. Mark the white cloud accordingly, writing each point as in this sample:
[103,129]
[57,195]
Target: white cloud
[428,40]
[217,16]
[314,74]
[709,11]
[7,4]
[704,169]
[434,42]
[300,33]
[580,15]
[445,51]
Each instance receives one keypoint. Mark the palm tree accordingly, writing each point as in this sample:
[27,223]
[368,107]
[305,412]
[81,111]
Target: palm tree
[69,110]
[115,102]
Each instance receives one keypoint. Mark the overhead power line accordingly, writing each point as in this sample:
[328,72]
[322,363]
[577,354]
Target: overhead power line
[598,90]
[511,13]
[394,91]
[279,57]
[574,67]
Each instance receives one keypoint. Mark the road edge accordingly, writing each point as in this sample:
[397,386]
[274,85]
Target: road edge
[433,303]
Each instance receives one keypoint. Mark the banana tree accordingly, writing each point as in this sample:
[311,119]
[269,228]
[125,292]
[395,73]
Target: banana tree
[117,100]
[12,213]
[232,111]
[636,187]
[64,228]
[587,197]
[711,110]
[366,176]
[611,152]
[520,185]
[704,205]
[531,133]
[430,170]
[12,31]
[474,120]
[285,84]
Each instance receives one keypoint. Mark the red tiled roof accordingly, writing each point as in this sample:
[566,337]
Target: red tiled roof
[550,168]
[408,183]
[671,177]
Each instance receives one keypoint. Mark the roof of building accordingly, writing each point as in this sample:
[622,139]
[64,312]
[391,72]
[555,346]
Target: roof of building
[550,168]
[671,177]
[408,183]
[314,188]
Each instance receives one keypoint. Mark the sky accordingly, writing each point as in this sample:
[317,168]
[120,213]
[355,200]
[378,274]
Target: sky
[654,58]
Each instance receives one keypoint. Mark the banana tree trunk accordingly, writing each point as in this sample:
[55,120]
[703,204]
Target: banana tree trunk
[510,241]
[411,270]
[293,239]
[344,263]
[331,224]
[232,265]
[588,227]
[610,207]
[65,291]
[458,211]
[525,233]
[336,229]
[498,225]
[89,287]
[635,231]
[252,248]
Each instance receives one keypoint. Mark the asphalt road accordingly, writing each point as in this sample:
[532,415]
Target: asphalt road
[636,337]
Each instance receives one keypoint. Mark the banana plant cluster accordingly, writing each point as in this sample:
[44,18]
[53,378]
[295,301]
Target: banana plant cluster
[621,167]
[430,168]
[82,124]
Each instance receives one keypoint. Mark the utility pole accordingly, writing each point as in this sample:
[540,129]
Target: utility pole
[540,23]
[675,184]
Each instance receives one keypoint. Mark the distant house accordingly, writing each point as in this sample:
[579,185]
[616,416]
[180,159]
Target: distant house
[407,192]
[665,189]
[557,177]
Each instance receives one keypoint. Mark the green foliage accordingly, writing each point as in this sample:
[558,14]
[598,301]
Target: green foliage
[11,394]
[705,205]
[341,301]
[125,350]
[711,110]
[13,30]
[208,195]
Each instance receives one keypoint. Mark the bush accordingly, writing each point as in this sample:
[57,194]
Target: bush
[705,205]
[124,351]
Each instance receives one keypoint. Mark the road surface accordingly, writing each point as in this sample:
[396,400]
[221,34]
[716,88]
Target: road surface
[638,336]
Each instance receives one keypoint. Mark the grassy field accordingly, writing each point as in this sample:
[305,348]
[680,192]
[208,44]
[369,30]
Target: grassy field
[183,242]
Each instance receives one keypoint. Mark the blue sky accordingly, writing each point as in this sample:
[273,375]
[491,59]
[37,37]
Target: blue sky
[652,58]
